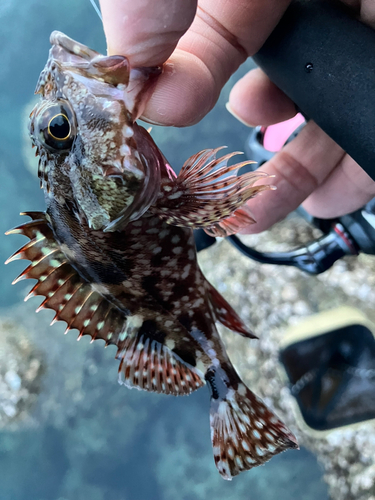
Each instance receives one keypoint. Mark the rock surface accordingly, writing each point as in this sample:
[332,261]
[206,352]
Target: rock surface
[21,369]
[269,299]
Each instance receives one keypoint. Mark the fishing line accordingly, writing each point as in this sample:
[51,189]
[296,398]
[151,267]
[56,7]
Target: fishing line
[97,10]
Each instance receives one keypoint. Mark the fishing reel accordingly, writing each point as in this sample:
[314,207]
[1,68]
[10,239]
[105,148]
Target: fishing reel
[346,235]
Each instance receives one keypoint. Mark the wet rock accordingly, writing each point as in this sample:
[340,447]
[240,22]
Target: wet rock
[269,299]
[21,368]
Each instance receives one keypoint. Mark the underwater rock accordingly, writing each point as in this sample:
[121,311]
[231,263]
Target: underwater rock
[21,368]
[271,298]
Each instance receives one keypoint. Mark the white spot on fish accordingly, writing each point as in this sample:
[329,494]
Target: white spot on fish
[245,446]
[198,302]
[175,196]
[163,233]
[122,335]
[241,389]
[259,451]
[170,343]
[124,150]
[186,270]
[126,130]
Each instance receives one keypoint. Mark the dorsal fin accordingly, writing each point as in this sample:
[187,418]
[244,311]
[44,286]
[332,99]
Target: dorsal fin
[144,362]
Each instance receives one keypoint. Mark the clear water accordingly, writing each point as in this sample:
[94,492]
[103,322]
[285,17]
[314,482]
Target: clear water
[92,439]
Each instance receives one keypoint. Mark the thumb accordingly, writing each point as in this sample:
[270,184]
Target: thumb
[146,31]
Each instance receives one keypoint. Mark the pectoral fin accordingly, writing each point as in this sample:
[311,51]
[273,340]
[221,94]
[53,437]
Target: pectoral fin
[201,197]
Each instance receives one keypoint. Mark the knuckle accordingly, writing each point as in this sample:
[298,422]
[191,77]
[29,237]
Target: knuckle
[294,173]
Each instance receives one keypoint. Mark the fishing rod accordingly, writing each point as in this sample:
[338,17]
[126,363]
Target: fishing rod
[322,56]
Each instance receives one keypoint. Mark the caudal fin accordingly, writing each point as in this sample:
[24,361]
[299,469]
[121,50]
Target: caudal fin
[245,433]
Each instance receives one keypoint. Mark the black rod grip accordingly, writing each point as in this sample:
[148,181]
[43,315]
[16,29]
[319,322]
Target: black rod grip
[323,58]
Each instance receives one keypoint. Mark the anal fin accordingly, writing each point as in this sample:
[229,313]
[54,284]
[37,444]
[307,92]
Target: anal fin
[201,197]
[147,364]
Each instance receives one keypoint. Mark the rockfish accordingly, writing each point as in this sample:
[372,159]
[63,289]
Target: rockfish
[114,253]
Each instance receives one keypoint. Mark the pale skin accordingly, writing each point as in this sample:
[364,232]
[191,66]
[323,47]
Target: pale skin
[202,47]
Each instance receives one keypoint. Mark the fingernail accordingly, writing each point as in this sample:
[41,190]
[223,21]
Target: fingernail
[236,116]
[152,122]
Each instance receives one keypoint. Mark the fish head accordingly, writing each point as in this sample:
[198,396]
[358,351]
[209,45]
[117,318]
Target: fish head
[85,133]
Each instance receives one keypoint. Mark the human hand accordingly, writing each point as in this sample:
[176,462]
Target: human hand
[221,36]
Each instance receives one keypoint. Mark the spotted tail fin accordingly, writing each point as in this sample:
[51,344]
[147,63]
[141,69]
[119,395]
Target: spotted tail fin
[244,432]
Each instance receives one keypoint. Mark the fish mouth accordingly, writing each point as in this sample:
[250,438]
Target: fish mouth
[71,47]
[80,59]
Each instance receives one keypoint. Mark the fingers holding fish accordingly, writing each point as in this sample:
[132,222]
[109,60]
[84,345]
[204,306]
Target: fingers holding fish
[298,169]
[220,38]
[314,171]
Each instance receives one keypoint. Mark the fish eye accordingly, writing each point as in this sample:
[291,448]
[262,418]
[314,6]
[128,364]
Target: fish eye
[55,126]
[59,127]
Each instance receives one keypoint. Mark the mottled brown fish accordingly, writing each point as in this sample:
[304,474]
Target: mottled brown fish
[114,254]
